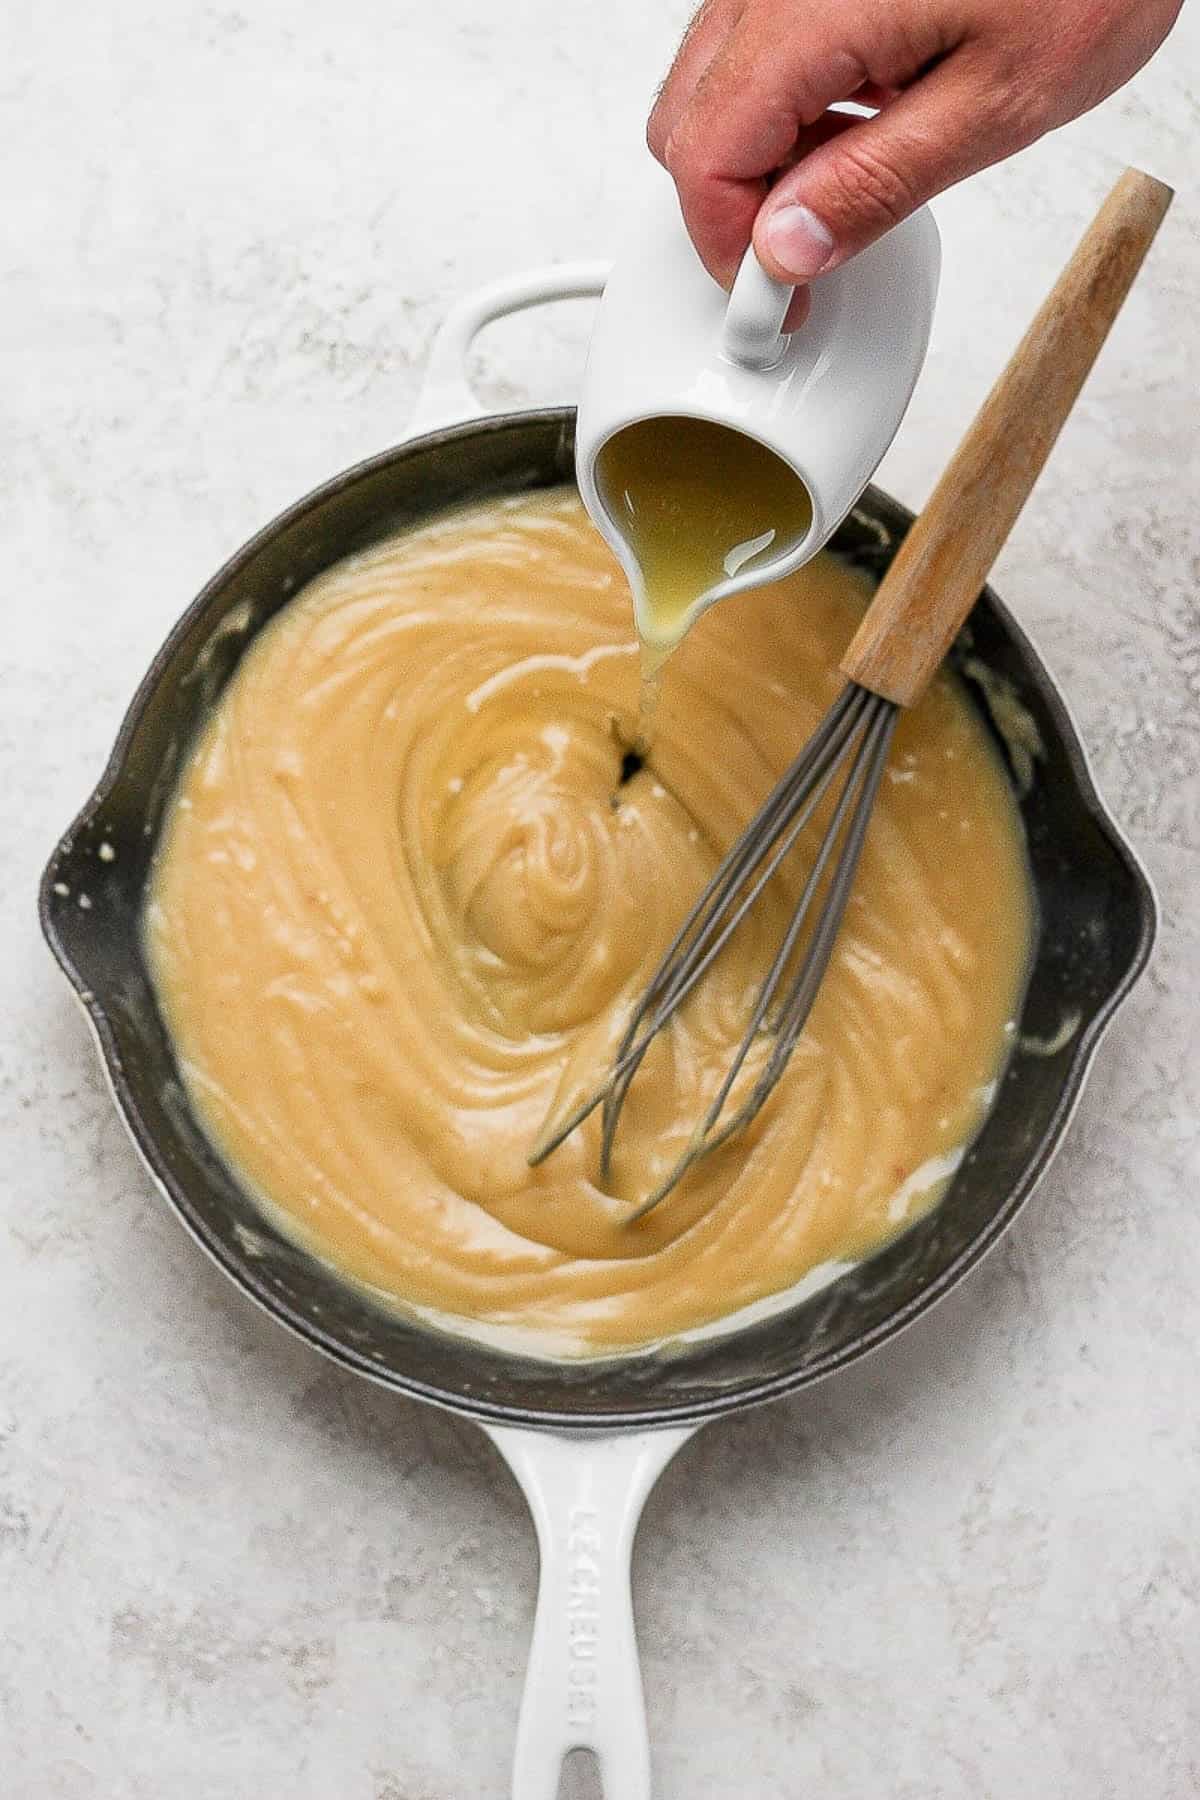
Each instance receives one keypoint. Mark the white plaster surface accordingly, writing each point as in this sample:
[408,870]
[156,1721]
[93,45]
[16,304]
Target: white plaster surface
[968,1568]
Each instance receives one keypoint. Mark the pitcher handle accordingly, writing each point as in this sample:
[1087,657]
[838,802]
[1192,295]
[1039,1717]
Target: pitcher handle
[583,1690]
[752,335]
[446,397]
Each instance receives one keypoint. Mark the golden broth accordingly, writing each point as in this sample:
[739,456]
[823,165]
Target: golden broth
[696,502]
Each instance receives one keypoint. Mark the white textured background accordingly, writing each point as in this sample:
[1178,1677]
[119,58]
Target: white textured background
[970,1568]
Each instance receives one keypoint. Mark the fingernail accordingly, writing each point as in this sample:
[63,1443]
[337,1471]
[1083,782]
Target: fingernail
[798,241]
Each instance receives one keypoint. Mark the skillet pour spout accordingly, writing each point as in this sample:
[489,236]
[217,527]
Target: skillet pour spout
[1096,921]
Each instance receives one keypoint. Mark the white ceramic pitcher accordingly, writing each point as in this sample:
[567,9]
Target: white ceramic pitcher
[827,398]
[829,401]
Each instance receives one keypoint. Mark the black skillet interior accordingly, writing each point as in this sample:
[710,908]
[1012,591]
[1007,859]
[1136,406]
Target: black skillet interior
[1096,927]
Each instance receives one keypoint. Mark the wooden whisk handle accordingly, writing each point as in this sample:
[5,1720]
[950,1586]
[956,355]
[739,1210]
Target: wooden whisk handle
[947,556]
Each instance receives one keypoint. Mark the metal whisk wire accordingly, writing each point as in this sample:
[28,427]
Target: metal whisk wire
[922,601]
[860,722]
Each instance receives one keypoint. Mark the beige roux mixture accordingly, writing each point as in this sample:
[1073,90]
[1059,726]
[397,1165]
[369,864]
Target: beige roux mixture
[403,905]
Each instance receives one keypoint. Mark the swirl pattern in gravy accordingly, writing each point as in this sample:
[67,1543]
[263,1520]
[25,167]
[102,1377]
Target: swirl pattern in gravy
[402,907]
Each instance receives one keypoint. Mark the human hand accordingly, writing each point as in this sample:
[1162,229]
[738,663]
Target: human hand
[743,127]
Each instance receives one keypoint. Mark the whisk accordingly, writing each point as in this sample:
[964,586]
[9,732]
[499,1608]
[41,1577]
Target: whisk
[912,621]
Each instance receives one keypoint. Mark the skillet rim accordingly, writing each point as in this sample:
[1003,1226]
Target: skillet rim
[683,1411]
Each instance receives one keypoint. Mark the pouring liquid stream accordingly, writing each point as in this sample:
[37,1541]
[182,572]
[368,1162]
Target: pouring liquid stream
[697,503]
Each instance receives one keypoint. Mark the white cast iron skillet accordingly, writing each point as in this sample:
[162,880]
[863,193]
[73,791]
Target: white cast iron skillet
[586,1441]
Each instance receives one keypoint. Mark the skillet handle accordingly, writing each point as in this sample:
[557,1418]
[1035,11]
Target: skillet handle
[583,1689]
[446,397]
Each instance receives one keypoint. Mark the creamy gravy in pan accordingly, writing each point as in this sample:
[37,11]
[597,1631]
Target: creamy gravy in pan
[404,901]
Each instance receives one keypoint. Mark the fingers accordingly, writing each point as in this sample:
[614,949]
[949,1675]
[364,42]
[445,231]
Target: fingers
[735,131]
[827,127]
[798,311]
[719,207]
[960,85]
[708,30]
[873,93]
[850,190]
[758,88]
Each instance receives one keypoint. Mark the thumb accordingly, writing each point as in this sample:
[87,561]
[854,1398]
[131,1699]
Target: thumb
[856,185]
